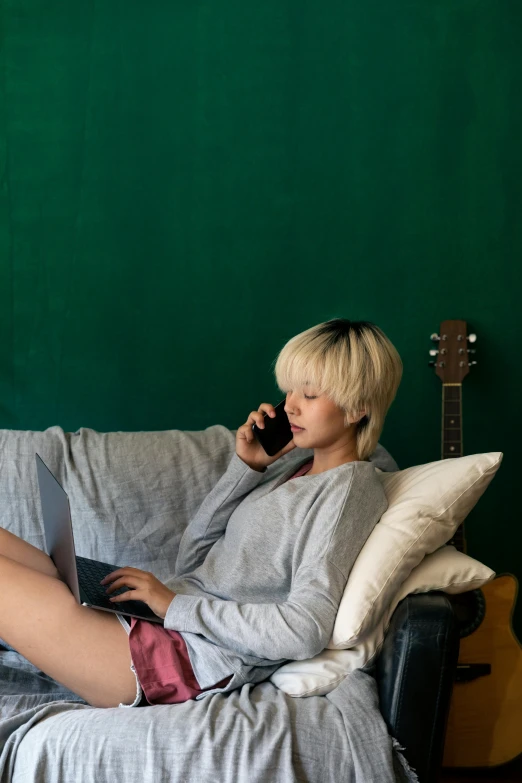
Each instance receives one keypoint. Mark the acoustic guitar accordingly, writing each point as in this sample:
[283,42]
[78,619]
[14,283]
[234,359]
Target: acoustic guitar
[485,719]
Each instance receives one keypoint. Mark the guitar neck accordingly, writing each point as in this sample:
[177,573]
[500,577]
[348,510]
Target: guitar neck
[452,445]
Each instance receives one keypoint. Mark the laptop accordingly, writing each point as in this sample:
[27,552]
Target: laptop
[81,574]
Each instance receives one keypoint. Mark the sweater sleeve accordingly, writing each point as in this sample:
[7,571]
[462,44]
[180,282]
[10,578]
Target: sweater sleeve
[210,521]
[296,629]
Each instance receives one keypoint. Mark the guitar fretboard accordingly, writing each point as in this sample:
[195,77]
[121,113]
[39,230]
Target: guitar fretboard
[452,443]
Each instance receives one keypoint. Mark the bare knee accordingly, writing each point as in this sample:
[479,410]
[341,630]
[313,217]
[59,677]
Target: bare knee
[23,552]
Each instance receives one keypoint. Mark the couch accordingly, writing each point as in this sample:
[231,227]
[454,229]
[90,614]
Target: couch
[148,478]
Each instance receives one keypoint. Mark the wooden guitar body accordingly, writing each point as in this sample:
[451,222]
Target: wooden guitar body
[485,718]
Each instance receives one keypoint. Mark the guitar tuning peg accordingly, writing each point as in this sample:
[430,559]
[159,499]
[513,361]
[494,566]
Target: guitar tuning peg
[432,364]
[434,336]
[433,351]
[472,338]
[470,363]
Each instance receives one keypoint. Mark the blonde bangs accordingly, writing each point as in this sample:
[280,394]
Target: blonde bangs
[300,364]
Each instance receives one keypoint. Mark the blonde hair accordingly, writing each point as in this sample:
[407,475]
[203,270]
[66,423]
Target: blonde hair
[353,363]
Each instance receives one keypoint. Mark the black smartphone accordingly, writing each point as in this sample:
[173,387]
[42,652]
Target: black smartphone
[276,433]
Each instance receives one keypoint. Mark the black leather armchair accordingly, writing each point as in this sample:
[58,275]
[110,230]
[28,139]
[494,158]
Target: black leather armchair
[415,672]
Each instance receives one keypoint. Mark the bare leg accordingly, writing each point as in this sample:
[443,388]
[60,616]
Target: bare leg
[82,648]
[16,548]
[23,552]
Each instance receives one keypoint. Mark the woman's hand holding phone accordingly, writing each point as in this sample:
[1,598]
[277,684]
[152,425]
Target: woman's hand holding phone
[249,449]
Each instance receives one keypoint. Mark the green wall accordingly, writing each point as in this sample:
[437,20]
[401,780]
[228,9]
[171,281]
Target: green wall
[185,186]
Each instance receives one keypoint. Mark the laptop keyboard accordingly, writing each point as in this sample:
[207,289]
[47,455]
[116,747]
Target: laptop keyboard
[90,574]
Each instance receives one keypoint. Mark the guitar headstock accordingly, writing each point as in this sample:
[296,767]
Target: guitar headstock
[452,363]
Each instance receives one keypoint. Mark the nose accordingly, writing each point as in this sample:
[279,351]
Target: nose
[289,407]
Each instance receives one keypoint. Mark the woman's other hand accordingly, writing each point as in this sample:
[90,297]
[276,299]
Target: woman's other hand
[144,587]
[249,449]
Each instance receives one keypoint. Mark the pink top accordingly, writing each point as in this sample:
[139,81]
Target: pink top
[161,659]
[303,469]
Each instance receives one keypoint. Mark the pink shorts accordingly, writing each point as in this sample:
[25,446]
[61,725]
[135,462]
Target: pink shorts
[161,664]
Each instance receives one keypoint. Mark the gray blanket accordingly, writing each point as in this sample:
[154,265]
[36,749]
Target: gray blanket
[131,495]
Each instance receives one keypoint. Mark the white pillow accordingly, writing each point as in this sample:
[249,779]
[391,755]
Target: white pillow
[447,569]
[426,504]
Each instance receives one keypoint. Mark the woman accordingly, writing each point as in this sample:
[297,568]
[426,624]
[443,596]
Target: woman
[262,566]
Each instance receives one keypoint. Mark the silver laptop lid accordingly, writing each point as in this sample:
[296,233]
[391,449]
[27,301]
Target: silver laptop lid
[56,515]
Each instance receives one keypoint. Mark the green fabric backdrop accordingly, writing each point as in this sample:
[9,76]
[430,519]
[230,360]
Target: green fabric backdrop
[185,186]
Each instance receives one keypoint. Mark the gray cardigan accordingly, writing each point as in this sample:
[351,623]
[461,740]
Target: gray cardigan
[262,566]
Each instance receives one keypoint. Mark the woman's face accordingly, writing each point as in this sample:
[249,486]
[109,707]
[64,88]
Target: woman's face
[321,419]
